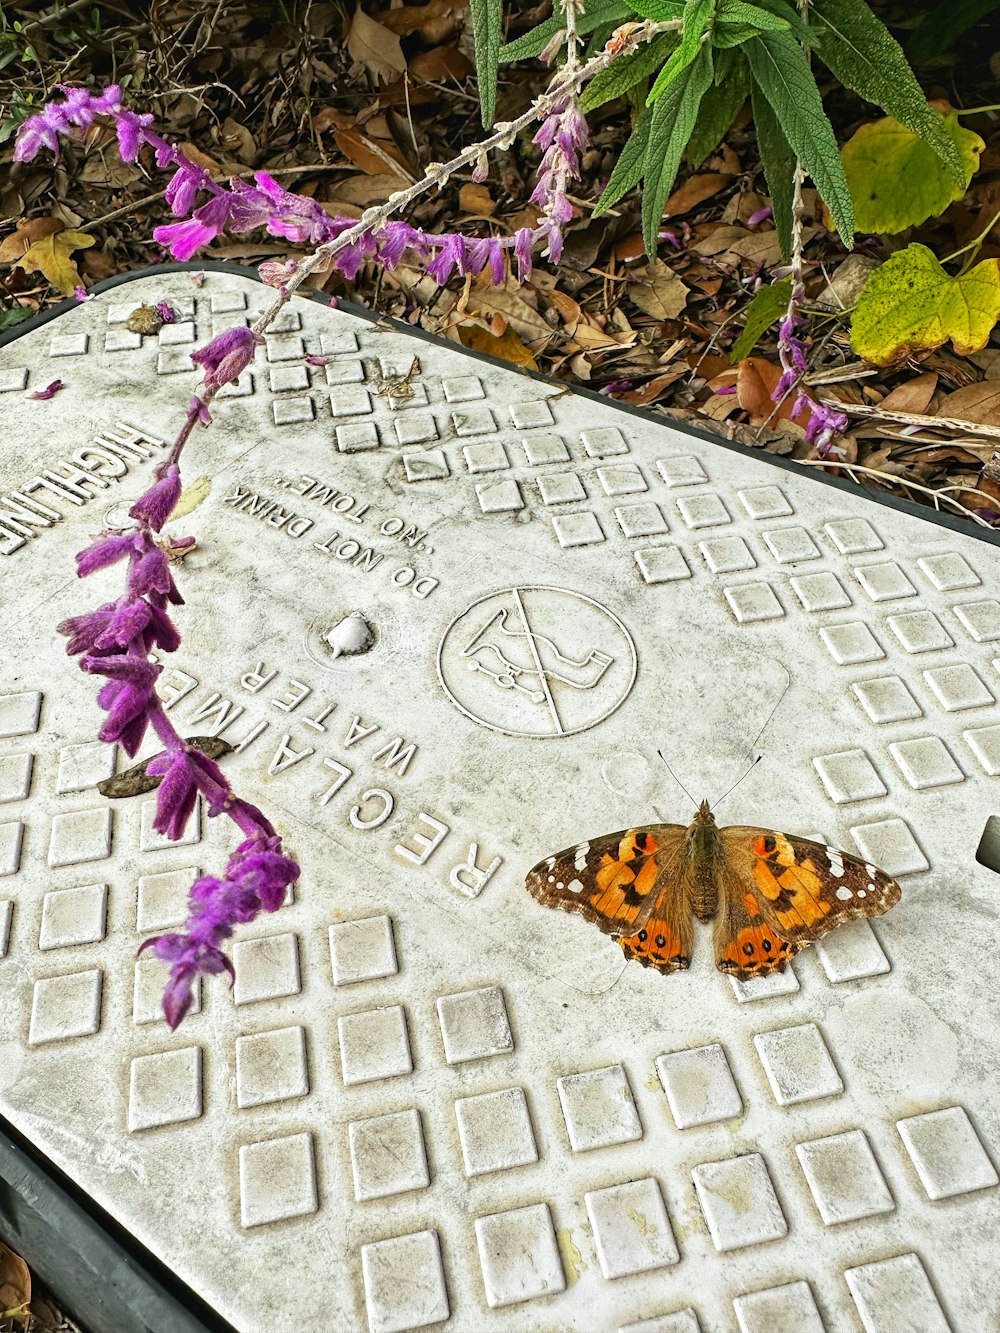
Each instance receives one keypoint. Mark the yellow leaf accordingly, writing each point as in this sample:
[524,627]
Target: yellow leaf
[897,180]
[190,498]
[911,303]
[508,346]
[51,257]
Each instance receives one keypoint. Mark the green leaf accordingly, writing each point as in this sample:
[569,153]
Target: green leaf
[660,11]
[791,15]
[727,35]
[737,11]
[940,30]
[865,57]
[674,118]
[768,305]
[627,71]
[910,303]
[628,168]
[779,166]
[780,68]
[594,14]
[720,105]
[895,177]
[487,28]
[9,318]
[697,14]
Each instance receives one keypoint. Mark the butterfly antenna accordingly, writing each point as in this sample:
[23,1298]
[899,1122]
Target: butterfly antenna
[750,748]
[746,773]
[676,778]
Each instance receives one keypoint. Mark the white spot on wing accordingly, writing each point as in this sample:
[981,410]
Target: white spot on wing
[575,886]
[581,856]
[836,862]
[843,894]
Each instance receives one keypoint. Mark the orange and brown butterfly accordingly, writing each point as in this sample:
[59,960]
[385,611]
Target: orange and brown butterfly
[769,894]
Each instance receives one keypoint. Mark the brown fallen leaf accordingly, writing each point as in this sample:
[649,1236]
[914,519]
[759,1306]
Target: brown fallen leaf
[756,380]
[372,158]
[913,396]
[658,291]
[979,402]
[50,256]
[695,190]
[375,47]
[508,346]
[476,201]
[28,231]
[498,307]
[15,1285]
[441,64]
[410,18]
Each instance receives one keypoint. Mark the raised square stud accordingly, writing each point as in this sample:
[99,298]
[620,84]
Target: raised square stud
[222,303]
[463,388]
[621,479]
[84,835]
[11,837]
[491,457]
[946,1151]
[349,400]
[703,511]
[852,536]
[891,846]
[271,1067]
[474,421]
[765,502]
[632,1232]
[820,592]
[887,699]
[598,1109]
[83,766]
[981,620]
[241,388]
[429,465]
[68,344]
[374,1045]
[896,1294]
[700,1086]
[844,1178]
[851,644]
[284,347]
[388,1155]
[662,564]
[67,1006]
[726,555]
[6,917]
[920,632]
[416,428]
[266,969]
[539,449]
[789,1307]
[849,776]
[798,1064]
[151,841]
[151,977]
[884,583]
[561,488]
[681,470]
[345,372]
[338,342]
[949,572]
[174,361]
[852,951]
[495,1132]
[362,950]
[500,497]
[957,687]
[165,1089]
[519,1256]
[753,602]
[603,442]
[578,530]
[19,713]
[641,520]
[766,987]
[286,378]
[286,321]
[527,416]
[13,380]
[73,916]
[277,1180]
[739,1202]
[162,900]
[926,762]
[474,1025]
[789,546]
[15,777]
[178,334]
[404,1283]
[984,742]
[681,1321]
[122,340]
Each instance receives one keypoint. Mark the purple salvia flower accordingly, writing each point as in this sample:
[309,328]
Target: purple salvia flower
[184,186]
[129,127]
[106,550]
[166,312]
[50,390]
[276,273]
[80,293]
[226,357]
[177,793]
[523,239]
[155,507]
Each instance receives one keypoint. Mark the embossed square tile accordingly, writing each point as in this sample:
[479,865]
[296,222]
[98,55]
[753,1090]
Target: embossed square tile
[751,602]
[765,988]
[957,687]
[765,501]
[462,388]
[777,1309]
[500,497]
[599,1109]
[700,1086]
[388,1155]
[374,1045]
[703,511]
[621,479]
[65,1006]
[473,421]
[15,777]
[495,1131]
[277,1180]
[949,572]
[726,555]
[947,1153]
[926,762]
[852,536]
[849,776]
[6,917]
[284,379]
[362,950]
[491,457]
[84,835]
[852,644]
[415,428]
[344,372]
[896,1294]
[887,699]
[681,470]
[287,411]
[266,968]
[357,436]
[519,1255]
[603,441]
[11,837]
[162,900]
[820,592]
[73,916]
[151,841]
[271,1067]
[474,1025]
[852,951]
[789,546]
[539,449]
[739,1202]
[335,342]
[682,1321]
[641,520]
[798,1064]
[151,976]
[578,529]
[844,1177]
[981,620]
[531,415]
[284,347]
[404,1283]
[984,742]
[920,632]
[884,583]
[561,488]
[165,1089]
[85,765]
[661,564]
[891,846]
[632,1232]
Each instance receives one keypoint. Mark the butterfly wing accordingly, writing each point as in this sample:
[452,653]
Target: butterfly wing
[630,885]
[778,894]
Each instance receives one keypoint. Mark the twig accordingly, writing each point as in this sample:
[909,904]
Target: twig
[935,492]
[914,418]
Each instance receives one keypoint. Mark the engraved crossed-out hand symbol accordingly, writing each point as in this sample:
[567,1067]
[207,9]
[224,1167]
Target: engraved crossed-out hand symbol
[522,652]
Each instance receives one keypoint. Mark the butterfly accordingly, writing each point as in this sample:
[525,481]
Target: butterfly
[769,894]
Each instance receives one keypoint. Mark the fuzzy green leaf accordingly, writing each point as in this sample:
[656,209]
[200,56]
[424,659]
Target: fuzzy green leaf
[673,120]
[595,13]
[779,166]
[767,306]
[697,14]
[780,68]
[628,168]
[487,28]
[660,11]
[940,30]
[866,58]
[720,105]
[737,11]
[627,71]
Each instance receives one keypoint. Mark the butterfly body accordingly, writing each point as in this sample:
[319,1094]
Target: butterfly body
[769,894]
